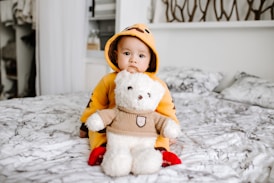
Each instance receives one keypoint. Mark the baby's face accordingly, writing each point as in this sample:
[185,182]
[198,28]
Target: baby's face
[132,54]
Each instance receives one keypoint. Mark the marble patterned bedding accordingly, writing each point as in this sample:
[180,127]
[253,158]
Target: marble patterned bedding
[221,141]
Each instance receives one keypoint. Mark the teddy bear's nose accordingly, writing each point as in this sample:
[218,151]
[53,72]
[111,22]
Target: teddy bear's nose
[140,97]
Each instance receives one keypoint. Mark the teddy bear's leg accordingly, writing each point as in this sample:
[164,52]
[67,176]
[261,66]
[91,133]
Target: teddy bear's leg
[146,161]
[117,159]
[117,162]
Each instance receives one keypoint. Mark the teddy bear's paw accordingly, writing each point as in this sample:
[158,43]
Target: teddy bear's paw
[117,164]
[172,130]
[95,122]
[146,161]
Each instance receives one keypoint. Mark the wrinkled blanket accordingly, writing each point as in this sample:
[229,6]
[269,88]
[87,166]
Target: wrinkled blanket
[221,141]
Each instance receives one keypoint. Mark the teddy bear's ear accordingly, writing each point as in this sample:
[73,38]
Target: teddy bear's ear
[122,74]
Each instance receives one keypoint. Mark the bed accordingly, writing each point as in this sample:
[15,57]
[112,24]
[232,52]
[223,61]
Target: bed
[226,136]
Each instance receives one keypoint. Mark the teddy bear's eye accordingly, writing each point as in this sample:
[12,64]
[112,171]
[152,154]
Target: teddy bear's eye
[149,95]
[129,87]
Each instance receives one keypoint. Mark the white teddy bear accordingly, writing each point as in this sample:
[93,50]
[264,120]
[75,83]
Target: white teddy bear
[133,126]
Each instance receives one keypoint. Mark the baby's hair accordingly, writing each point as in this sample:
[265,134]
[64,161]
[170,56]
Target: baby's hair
[152,63]
[112,55]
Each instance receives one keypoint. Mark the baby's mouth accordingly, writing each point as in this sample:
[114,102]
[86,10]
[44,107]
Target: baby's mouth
[132,69]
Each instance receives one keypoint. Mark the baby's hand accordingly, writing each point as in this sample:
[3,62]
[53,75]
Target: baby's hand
[83,134]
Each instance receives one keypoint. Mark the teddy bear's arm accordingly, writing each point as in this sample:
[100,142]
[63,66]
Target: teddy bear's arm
[172,130]
[167,127]
[95,122]
[100,119]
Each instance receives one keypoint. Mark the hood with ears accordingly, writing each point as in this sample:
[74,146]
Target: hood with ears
[139,31]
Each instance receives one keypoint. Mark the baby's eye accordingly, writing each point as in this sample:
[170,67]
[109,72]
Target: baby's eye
[129,87]
[141,55]
[126,53]
[149,95]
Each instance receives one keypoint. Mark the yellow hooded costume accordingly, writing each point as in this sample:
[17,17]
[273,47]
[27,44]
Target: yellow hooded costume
[103,94]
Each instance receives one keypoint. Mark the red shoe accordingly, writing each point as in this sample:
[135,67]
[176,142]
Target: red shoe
[170,158]
[96,156]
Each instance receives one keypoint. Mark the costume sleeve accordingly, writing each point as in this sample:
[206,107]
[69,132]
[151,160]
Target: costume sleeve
[98,99]
[166,106]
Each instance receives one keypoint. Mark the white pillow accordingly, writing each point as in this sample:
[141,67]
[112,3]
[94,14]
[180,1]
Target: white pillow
[251,89]
[190,80]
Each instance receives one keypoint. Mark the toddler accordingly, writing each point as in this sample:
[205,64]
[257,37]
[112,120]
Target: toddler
[132,49]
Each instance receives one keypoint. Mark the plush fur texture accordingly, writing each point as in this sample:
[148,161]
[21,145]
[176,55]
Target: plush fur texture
[133,153]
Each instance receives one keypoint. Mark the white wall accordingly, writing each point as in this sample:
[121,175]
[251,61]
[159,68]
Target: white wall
[129,12]
[226,47]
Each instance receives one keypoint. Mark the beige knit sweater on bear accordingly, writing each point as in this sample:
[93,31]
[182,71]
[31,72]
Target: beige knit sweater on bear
[133,122]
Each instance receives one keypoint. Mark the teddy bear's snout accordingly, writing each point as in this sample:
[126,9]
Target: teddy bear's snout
[140,97]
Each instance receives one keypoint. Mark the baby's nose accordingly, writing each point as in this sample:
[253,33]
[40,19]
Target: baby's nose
[132,61]
[133,58]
